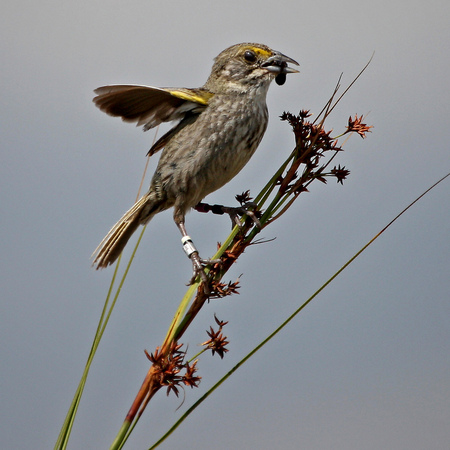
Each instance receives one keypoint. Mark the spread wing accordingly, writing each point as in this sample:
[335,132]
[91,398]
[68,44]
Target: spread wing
[149,106]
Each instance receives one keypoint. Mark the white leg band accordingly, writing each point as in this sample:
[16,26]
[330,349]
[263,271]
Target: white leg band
[188,245]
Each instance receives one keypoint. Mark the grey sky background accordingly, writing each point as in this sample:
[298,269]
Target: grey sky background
[366,365]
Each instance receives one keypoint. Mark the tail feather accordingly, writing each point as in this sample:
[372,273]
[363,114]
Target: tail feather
[114,242]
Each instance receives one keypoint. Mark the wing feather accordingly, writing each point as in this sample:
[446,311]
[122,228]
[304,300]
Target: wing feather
[149,106]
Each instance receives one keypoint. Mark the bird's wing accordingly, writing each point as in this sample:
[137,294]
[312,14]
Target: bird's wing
[149,106]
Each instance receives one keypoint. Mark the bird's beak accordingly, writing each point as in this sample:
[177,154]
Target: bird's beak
[278,63]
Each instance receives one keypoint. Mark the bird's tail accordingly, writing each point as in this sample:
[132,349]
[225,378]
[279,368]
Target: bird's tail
[114,242]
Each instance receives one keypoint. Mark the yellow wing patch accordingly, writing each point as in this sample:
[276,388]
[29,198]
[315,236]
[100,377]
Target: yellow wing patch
[192,95]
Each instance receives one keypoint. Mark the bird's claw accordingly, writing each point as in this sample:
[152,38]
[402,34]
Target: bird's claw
[198,266]
[237,212]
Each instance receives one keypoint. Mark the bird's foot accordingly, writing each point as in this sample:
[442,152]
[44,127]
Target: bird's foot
[235,213]
[198,264]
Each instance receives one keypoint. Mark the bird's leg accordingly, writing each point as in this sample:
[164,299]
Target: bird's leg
[235,213]
[192,253]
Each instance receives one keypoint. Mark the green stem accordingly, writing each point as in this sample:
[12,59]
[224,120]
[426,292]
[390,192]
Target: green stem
[289,319]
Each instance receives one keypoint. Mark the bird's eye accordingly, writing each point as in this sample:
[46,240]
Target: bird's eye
[250,56]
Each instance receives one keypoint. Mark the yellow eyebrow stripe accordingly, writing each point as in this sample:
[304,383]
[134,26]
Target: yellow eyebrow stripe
[260,51]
